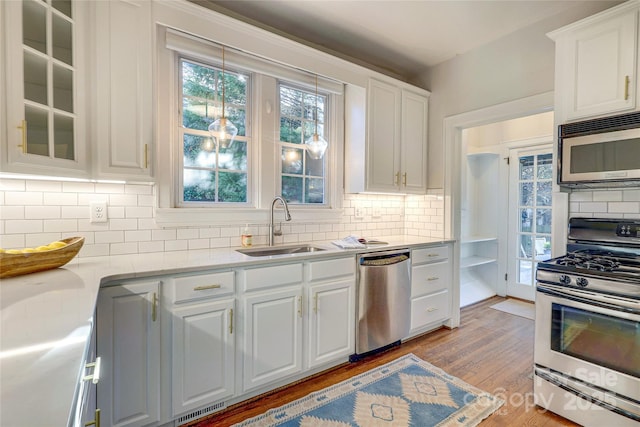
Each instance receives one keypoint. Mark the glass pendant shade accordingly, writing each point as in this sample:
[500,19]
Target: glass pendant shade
[223,132]
[316,146]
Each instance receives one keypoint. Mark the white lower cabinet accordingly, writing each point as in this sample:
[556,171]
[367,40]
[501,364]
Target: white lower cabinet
[203,354]
[202,324]
[272,336]
[331,311]
[128,340]
[430,288]
[331,315]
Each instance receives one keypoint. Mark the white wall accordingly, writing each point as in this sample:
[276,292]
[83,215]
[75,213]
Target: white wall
[514,67]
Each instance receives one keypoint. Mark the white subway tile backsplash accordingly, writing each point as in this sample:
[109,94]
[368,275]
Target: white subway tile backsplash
[20,226]
[624,207]
[109,236]
[41,212]
[593,207]
[109,188]
[60,225]
[631,196]
[12,212]
[123,200]
[39,239]
[137,236]
[60,199]
[46,210]
[23,198]
[607,196]
[12,241]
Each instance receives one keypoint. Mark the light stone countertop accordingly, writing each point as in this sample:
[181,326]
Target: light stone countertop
[46,320]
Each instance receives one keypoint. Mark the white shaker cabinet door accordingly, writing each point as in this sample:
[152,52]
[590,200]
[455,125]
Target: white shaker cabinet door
[272,336]
[128,341]
[599,74]
[331,321]
[124,119]
[203,354]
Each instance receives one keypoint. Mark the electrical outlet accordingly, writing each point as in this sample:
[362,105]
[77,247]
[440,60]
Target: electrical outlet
[359,212]
[98,212]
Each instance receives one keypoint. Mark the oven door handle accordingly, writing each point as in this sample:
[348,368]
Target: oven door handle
[592,298]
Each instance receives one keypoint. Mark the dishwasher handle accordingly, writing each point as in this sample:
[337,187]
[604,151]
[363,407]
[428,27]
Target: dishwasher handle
[383,260]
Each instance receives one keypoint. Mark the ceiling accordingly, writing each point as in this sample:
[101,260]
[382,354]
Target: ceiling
[399,37]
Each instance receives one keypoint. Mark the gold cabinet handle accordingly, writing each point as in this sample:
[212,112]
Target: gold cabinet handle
[154,307]
[432,255]
[206,287]
[627,81]
[397,180]
[23,127]
[230,321]
[146,156]
[431,309]
[404,179]
[96,420]
[95,377]
[432,278]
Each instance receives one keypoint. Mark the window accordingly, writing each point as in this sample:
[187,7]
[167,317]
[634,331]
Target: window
[302,178]
[272,105]
[212,173]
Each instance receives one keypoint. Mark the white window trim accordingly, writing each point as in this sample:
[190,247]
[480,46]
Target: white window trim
[264,172]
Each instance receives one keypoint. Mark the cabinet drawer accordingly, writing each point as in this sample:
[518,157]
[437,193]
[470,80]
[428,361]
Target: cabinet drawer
[437,253]
[429,278]
[322,270]
[277,275]
[429,309]
[211,285]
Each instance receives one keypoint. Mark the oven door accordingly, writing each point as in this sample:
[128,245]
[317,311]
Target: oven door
[590,337]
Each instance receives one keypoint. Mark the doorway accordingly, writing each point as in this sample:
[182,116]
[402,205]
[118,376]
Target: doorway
[530,207]
[453,144]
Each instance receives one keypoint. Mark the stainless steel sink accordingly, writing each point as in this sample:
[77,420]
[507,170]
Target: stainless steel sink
[279,250]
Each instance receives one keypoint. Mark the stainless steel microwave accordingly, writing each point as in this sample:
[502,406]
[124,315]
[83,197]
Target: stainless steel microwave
[602,152]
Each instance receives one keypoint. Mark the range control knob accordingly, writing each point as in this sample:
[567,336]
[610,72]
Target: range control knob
[564,279]
[582,282]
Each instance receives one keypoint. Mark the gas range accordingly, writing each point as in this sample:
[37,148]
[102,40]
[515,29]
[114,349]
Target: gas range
[603,255]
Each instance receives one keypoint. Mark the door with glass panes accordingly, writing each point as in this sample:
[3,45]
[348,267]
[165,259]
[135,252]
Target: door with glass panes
[530,190]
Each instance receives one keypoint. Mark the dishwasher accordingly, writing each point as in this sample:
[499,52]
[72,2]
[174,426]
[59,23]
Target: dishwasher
[383,311]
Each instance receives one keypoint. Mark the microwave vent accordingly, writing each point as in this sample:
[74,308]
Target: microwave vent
[604,124]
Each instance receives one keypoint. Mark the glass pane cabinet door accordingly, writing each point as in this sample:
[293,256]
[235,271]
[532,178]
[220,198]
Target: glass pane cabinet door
[43,76]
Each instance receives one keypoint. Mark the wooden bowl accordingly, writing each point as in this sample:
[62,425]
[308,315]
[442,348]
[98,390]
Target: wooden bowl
[24,263]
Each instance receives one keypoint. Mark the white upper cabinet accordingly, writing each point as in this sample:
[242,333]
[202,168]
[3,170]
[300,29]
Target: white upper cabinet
[596,72]
[124,117]
[386,139]
[45,102]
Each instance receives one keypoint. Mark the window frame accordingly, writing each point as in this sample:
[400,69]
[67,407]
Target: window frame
[262,153]
[180,203]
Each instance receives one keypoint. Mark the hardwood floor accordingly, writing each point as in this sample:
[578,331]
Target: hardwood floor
[491,350]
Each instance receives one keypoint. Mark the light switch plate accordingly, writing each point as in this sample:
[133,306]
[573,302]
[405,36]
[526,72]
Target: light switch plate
[98,212]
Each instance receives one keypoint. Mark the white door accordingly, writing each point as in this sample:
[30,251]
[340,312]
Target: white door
[203,354]
[530,189]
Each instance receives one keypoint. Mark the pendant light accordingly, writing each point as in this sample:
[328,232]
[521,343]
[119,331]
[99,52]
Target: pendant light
[222,130]
[316,145]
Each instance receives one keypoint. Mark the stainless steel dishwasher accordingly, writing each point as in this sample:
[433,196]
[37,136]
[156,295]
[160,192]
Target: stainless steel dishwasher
[383,312]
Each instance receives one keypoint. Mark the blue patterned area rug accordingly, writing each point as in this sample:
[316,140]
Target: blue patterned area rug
[405,392]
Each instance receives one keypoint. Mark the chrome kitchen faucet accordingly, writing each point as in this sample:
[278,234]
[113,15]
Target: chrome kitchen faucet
[287,217]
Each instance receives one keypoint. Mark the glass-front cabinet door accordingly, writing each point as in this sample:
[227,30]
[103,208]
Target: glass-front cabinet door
[45,87]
